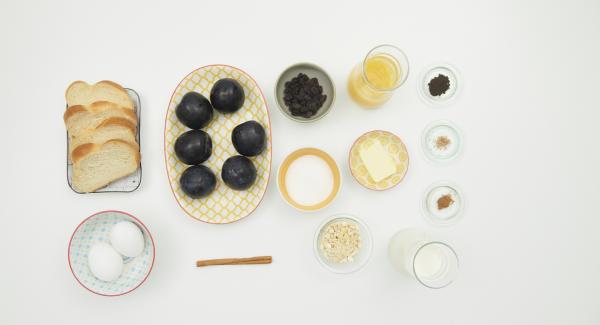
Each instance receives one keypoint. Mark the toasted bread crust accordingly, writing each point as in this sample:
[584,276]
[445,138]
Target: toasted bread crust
[117,121]
[73,84]
[128,103]
[82,150]
[102,104]
[96,106]
[74,142]
[133,145]
[72,111]
[112,83]
[87,148]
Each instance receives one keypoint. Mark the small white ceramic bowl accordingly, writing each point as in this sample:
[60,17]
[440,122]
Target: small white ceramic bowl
[95,229]
[360,259]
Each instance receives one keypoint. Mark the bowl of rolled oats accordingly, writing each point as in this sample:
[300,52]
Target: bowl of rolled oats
[343,244]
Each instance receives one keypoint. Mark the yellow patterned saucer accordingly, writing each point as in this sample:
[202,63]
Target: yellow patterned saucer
[224,205]
[394,146]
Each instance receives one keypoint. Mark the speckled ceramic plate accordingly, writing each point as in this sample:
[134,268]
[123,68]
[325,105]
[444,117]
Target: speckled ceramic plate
[95,229]
[396,149]
[224,205]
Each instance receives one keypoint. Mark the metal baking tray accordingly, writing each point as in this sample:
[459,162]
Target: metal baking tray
[128,183]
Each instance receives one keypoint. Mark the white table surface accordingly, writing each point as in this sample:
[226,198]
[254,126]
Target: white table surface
[530,169]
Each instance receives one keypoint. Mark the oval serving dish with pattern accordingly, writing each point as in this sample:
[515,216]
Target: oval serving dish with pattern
[224,205]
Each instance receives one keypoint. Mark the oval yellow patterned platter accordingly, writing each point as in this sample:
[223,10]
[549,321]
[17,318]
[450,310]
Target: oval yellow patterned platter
[394,147]
[224,205]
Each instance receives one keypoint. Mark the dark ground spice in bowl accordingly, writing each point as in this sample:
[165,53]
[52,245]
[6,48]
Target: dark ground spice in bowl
[439,85]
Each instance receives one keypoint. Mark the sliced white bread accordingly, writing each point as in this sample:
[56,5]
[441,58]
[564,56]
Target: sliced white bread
[80,118]
[82,93]
[97,165]
[113,128]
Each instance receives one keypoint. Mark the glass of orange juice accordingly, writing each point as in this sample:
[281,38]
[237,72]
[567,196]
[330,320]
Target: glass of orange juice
[373,81]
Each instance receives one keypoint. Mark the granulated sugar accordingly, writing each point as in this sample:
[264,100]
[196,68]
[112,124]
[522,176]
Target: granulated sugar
[309,180]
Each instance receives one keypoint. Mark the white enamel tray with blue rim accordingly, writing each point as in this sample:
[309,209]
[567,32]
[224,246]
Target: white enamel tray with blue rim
[95,229]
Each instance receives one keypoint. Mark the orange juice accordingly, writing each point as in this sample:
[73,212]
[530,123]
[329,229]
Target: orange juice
[372,83]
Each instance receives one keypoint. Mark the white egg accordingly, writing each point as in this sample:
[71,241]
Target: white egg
[105,262]
[127,239]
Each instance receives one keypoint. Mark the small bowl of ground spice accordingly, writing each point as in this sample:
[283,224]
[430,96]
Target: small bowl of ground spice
[343,244]
[439,85]
[304,92]
[441,142]
[443,203]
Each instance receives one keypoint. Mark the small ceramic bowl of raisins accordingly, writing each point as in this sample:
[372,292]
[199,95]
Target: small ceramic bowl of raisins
[304,92]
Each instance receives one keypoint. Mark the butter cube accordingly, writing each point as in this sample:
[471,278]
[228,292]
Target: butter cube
[378,162]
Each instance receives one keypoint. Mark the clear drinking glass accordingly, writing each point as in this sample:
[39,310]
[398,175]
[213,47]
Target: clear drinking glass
[431,262]
[373,81]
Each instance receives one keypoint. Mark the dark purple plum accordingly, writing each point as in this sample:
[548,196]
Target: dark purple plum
[194,111]
[238,173]
[227,95]
[198,181]
[249,138]
[193,147]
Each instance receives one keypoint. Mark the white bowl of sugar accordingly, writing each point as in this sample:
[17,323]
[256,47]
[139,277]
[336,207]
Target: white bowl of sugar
[308,179]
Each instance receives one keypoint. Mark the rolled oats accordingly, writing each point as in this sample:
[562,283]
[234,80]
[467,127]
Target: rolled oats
[340,241]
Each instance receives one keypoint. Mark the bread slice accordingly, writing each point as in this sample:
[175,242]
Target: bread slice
[111,128]
[79,118]
[97,165]
[82,93]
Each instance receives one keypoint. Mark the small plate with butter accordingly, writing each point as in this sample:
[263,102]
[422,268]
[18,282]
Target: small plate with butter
[378,160]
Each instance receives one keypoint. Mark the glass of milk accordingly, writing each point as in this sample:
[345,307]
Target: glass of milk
[417,253]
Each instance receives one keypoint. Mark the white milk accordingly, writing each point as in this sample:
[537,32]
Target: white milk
[309,180]
[415,252]
[429,262]
[403,246]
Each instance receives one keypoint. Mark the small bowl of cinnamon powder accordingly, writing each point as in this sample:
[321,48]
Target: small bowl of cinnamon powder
[439,85]
[443,203]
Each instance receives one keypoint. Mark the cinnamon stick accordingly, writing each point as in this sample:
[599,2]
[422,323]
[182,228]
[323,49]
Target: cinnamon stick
[236,261]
